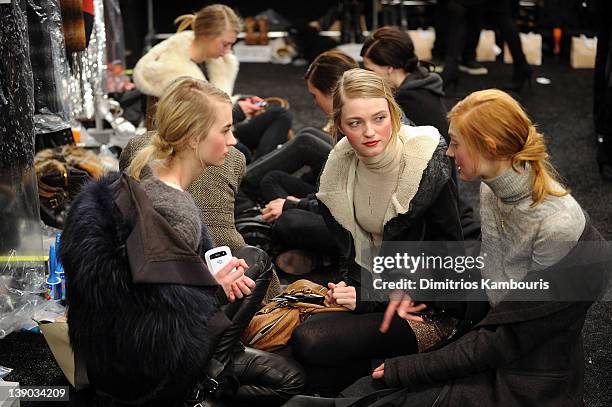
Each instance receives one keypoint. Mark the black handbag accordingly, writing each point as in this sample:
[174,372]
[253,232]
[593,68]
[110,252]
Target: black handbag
[51,132]
[255,231]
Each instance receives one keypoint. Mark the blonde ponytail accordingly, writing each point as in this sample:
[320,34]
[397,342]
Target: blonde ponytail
[186,21]
[157,149]
[495,125]
[211,21]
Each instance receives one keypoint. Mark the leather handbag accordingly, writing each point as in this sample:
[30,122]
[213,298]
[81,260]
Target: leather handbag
[61,172]
[255,231]
[272,326]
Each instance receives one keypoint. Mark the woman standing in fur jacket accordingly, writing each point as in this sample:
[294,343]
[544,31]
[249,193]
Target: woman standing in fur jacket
[382,182]
[207,48]
[143,309]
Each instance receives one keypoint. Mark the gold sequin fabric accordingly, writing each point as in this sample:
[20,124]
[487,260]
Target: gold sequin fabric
[430,333]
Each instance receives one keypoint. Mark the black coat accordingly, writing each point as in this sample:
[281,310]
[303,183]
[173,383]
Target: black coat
[433,216]
[521,353]
[420,98]
[142,324]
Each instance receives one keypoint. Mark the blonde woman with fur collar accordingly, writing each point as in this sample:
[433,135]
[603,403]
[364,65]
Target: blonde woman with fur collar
[207,47]
[382,182]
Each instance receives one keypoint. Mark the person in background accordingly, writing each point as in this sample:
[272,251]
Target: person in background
[389,52]
[460,11]
[290,204]
[207,48]
[602,86]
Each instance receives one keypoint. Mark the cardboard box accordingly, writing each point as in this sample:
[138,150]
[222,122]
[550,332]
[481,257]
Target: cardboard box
[5,388]
[252,53]
[423,41]
[487,50]
[532,47]
[352,50]
[56,335]
[582,52]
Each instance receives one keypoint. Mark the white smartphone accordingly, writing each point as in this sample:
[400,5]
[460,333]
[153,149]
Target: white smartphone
[217,258]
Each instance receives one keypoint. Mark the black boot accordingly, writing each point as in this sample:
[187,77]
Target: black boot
[345,22]
[403,15]
[386,13]
[356,9]
[521,76]
[450,75]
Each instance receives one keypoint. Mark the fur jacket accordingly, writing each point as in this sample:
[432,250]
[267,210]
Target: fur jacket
[141,319]
[170,59]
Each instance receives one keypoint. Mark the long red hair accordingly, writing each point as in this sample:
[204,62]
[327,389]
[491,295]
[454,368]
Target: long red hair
[495,125]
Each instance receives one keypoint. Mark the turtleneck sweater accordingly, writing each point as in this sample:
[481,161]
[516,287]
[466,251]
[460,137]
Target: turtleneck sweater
[376,180]
[518,238]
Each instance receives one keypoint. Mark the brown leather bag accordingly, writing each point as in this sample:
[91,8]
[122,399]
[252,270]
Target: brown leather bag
[61,172]
[272,326]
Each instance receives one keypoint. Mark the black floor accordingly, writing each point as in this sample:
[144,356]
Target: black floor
[563,112]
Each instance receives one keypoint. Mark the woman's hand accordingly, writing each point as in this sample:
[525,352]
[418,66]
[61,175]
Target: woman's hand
[341,295]
[254,99]
[234,283]
[273,210]
[379,372]
[404,306]
[249,105]
[242,287]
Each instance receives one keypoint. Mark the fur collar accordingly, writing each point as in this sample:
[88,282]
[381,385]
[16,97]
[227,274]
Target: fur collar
[338,178]
[170,59]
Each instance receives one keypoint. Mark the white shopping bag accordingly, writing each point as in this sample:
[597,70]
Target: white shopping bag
[583,51]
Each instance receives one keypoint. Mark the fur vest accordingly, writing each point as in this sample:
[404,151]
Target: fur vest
[170,59]
[139,340]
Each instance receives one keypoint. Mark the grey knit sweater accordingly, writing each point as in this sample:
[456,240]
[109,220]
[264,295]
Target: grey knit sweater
[177,207]
[516,238]
[213,192]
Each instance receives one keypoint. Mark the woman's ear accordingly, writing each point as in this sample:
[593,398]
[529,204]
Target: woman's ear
[193,142]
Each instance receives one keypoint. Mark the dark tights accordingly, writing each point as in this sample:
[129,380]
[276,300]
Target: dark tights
[309,148]
[337,348]
[266,131]
[500,14]
[279,184]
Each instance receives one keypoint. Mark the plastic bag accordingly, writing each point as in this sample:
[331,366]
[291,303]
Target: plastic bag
[48,57]
[21,265]
[116,79]
[4,371]
[109,160]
